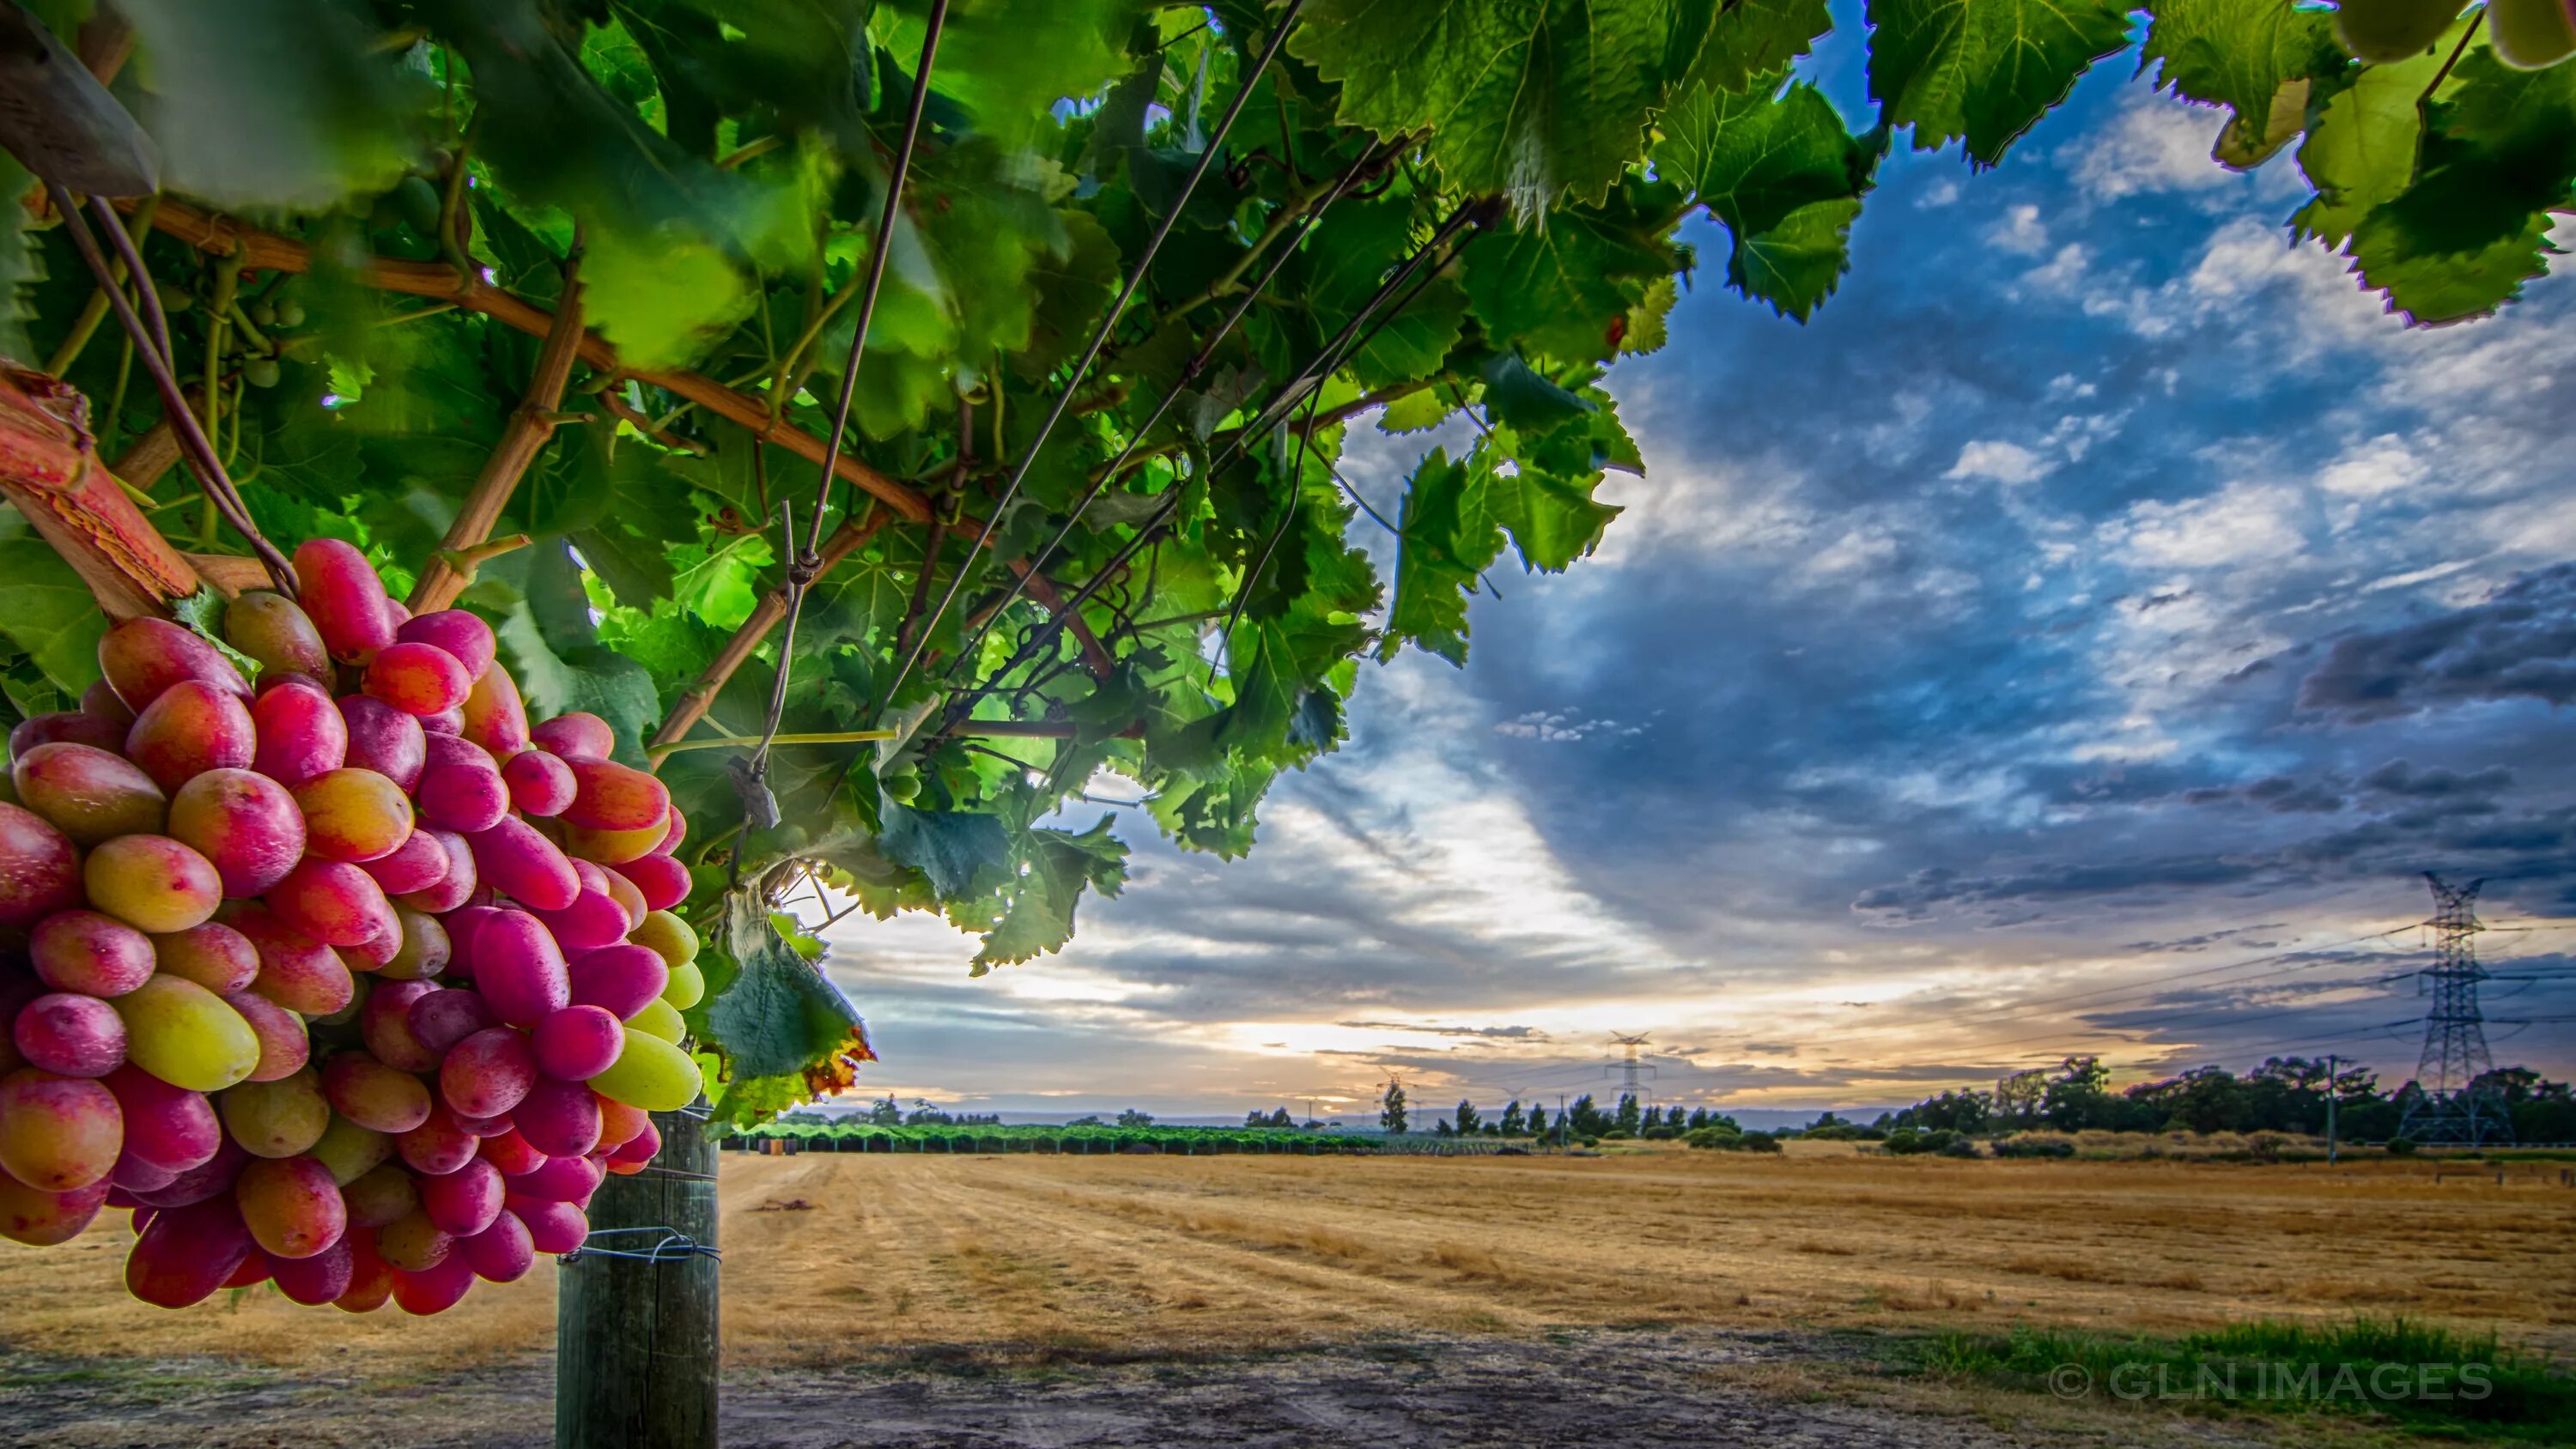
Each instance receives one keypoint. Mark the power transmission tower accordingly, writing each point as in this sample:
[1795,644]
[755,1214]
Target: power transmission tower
[2451,1107]
[1633,1074]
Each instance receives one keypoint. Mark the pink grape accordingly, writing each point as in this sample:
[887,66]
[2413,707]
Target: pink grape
[291,1206]
[100,699]
[592,920]
[418,864]
[271,629]
[318,1279]
[151,882]
[384,739]
[540,784]
[382,1195]
[58,1133]
[577,735]
[460,788]
[91,953]
[514,859]
[463,925]
[460,633]
[418,679]
[620,978]
[519,969]
[662,881]
[142,657]
[559,1179]
[284,1048]
[133,1174]
[675,829]
[412,1242]
[333,902]
[501,1253]
[553,1226]
[577,1043]
[511,1153]
[494,716]
[464,1202]
[440,1018]
[187,1252]
[212,954]
[484,1127]
[346,601]
[89,795]
[44,1219]
[246,825]
[488,1073]
[374,1095]
[437,1146]
[449,722]
[611,796]
[301,732]
[39,869]
[69,727]
[208,1179]
[384,1024]
[169,1127]
[433,1289]
[295,971]
[558,1118]
[619,1124]
[639,1148]
[457,884]
[192,728]
[70,1035]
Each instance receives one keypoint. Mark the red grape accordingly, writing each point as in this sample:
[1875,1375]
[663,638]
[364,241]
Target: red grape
[88,794]
[39,869]
[144,656]
[540,784]
[620,978]
[611,796]
[344,598]
[169,1127]
[494,716]
[91,953]
[557,1118]
[488,1073]
[384,739]
[70,1035]
[186,1252]
[301,732]
[662,881]
[192,728]
[578,735]
[333,902]
[519,969]
[514,859]
[151,882]
[284,1047]
[71,727]
[456,631]
[246,825]
[501,1253]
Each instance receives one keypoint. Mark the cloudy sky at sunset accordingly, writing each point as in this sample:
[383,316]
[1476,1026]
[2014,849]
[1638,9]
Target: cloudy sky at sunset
[2077,638]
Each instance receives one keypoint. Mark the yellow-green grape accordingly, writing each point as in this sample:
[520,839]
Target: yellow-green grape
[650,1073]
[659,1018]
[350,1151]
[2383,32]
[2531,34]
[668,936]
[902,786]
[186,1035]
[688,987]
[277,1119]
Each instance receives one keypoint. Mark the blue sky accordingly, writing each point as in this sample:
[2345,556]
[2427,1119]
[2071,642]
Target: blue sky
[2076,638]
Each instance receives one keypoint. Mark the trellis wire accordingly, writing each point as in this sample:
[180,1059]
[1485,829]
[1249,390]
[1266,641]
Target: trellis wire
[672,1247]
[1099,339]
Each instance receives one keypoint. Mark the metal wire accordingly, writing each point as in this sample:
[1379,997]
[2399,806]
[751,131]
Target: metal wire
[672,1247]
[1099,339]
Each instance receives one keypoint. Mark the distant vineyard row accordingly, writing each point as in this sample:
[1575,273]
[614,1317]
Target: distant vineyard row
[868,1137]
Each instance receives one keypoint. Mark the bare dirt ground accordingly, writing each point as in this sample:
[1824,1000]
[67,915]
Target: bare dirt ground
[1653,1298]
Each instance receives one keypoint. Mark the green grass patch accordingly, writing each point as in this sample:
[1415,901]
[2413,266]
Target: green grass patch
[2422,1377]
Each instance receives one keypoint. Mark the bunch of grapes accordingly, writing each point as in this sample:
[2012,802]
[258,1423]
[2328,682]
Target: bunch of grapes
[361,994]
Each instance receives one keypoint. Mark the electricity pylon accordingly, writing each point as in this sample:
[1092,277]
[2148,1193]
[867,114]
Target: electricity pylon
[2452,1106]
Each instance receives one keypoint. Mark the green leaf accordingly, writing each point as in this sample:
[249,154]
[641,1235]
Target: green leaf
[1037,906]
[554,652]
[957,851]
[1983,70]
[1784,175]
[1553,521]
[2243,54]
[2434,282]
[1521,399]
[1564,290]
[1534,98]
[800,64]
[1416,411]
[1072,287]
[2360,151]
[663,296]
[1358,245]
[1748,40]
[1447,537]
[1009,61]
[47,611]
[767,1010]
[22,265]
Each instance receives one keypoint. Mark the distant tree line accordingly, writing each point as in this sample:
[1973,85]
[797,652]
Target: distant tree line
[2285,1094]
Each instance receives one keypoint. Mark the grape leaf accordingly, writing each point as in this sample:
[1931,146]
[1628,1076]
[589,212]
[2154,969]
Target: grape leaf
[2360,150]
[1744,41]
[1779,169]
[956,851]
[1983,70]
[1036,907]
[1564,290]
[767,1010]
[1447,538]
[553,650]
[2245,55]
[46,610]
[1553,521]
[1534,98]
[22,265]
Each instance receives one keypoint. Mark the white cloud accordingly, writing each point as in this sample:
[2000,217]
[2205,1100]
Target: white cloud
[2238,524]
[2003,462]
[2062,273]
[2020,231]
[2379,467]
[2154,144]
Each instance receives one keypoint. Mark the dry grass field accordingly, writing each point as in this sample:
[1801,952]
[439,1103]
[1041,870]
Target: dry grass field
[1034,1257]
